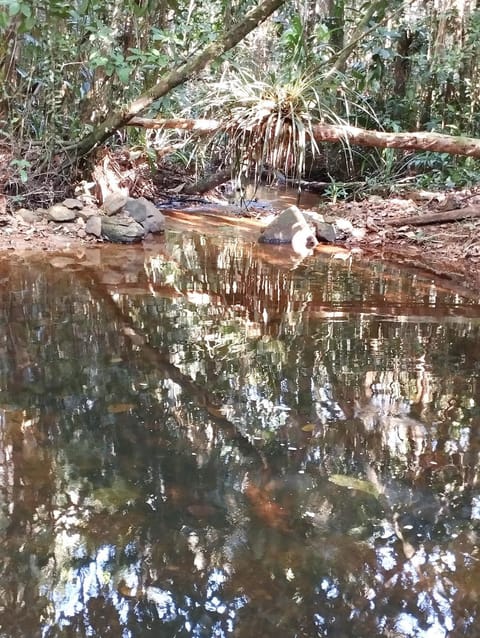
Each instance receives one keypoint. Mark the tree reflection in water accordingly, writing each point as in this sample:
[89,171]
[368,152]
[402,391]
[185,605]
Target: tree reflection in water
[199,441]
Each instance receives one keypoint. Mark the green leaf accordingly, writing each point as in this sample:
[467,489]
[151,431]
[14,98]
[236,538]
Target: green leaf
[13,9]
[29,22]
[123,74]
[353,483]
[98,60]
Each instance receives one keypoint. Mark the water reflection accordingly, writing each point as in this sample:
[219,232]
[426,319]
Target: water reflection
[199,441]
[281,196]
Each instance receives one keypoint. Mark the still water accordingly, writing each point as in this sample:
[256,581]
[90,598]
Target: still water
[202,437]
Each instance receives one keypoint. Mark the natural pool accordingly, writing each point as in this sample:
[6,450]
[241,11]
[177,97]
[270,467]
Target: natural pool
[200,437]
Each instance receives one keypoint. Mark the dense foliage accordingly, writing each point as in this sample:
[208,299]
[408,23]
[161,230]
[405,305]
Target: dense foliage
[398,66]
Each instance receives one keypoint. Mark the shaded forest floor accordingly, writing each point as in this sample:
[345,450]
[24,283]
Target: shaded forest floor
[450,250]
[389,228]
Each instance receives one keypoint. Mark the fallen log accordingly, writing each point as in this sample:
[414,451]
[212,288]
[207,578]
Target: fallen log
[417,141]
[458,214]
[205,127]
[209,182]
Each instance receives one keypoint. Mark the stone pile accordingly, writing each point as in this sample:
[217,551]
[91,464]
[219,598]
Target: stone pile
[122,219]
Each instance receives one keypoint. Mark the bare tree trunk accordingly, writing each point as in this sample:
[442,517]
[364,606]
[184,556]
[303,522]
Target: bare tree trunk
[341,58]
[402,63]
[417,141]
[119,118]
[9,52]
[335,19]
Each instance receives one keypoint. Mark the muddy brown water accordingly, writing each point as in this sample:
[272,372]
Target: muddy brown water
[205,437]
[282,196]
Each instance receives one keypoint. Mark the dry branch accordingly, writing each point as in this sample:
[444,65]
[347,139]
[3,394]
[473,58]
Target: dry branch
[196,63]
[437,218]
[418,141]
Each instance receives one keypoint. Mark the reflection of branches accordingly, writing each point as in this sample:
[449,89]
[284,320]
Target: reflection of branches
[161,362]
[353,558]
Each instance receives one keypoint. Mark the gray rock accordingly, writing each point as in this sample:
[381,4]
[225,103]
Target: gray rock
[42,213]
[325,232]
[146,213]
[87,212]
[155,221]
[72,203]
[312,216]
[28,216]
[114,203]
[289,227]
[60,213]
[93,226]
[136,208]
[122,229]
[344,225]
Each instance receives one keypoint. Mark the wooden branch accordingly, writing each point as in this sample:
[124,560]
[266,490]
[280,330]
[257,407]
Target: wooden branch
[205,127]
[209,182]
[196,63]
[418,141]
[437,218]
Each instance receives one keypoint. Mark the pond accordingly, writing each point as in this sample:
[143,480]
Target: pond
[203,437]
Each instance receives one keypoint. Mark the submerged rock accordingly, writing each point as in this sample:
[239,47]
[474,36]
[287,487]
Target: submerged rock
[290,227]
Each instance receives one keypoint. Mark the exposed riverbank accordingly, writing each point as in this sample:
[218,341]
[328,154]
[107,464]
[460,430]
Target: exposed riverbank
[390,228]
